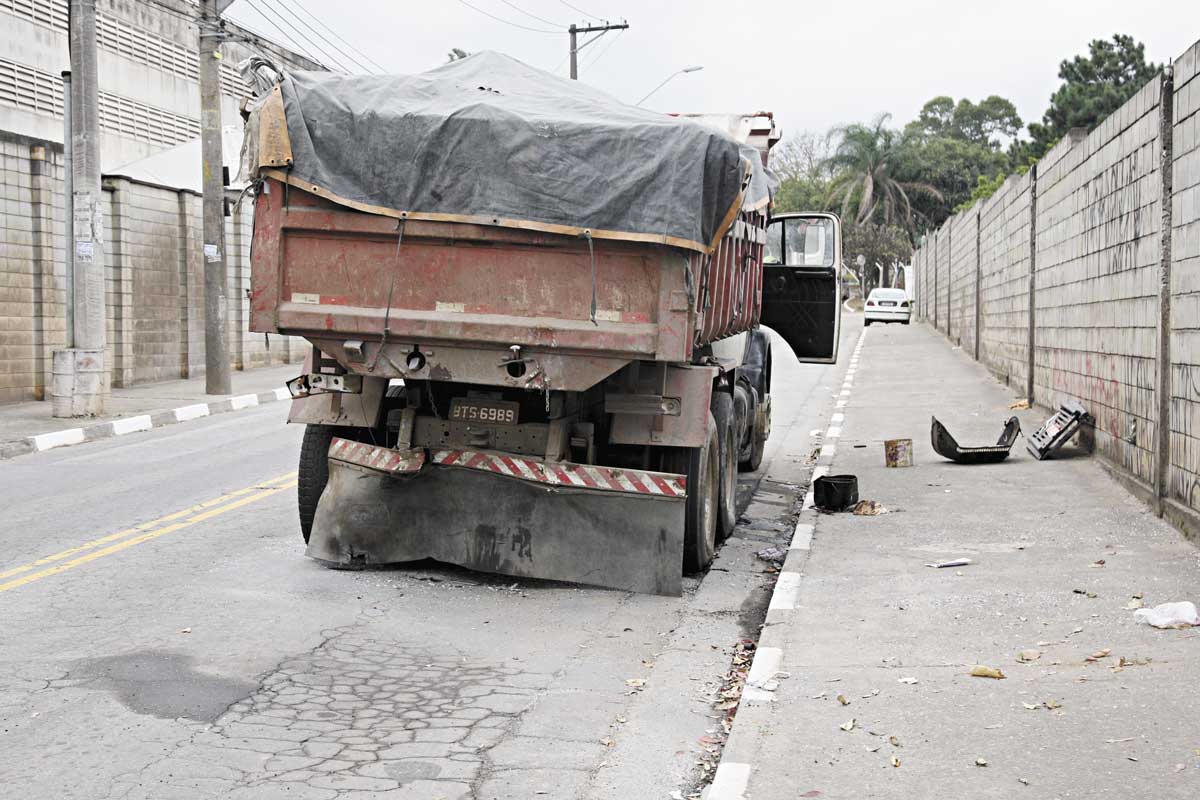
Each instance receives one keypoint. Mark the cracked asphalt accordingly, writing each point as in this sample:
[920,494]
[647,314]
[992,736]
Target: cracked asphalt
[209,658]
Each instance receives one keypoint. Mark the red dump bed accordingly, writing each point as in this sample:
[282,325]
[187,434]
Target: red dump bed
[328,272]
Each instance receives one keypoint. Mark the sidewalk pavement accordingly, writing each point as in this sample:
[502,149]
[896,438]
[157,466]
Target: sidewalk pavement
[29,427]
[1106,707]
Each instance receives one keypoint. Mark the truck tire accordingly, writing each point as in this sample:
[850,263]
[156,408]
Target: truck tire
[760,426]
[313,472]
[723,415]
[701,466]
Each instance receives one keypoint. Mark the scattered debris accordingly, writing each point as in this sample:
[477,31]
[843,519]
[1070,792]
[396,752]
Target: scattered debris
[1099,654]
[869,508]
[1052,704]
[773,555]
[1031,706]
[945,445]
[958,562]
[1023,781]
[635,684]
[870,694]
[1119,741]
[185,630]
[981,762]
[1124,662]
[1097,564]
[1025,656]
[897,452]
[909,681]
[1084,592]
[1056,431]
[980,671]
[1020,405]
[841,698]
[893,741]
[1135,604]
[607,742]
[1170,615]
[835,492]
[895,761]
[1131,758]
[847,726]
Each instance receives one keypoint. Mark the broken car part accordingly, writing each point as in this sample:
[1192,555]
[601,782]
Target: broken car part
[945,445]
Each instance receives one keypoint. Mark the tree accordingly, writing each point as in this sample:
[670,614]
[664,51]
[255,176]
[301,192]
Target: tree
[879,245]
[1094,86]
[865,168]
[800,164]
[952,166]
[978,123]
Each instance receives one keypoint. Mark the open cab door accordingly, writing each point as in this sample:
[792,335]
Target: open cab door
[802,291]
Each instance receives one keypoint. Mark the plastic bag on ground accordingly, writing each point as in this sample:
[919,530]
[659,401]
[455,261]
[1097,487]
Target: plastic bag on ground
[1170,615]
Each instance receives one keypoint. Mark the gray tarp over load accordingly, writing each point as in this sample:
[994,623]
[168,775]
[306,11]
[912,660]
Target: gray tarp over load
[491,140]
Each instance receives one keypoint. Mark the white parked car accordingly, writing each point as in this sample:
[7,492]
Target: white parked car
[887,305]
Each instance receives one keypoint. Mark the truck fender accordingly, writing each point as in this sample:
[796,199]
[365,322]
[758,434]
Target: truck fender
[693,385]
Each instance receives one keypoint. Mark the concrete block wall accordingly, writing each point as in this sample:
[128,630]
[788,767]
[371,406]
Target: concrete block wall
[1091,263]
[154,278]
[962,269]
[1098,254]
[1183,479]
[1004,226]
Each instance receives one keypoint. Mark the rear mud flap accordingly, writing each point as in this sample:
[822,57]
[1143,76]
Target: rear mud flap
[495,523]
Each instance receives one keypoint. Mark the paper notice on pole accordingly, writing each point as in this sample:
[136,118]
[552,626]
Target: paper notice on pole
[83,216]
[211,253]
[84,252]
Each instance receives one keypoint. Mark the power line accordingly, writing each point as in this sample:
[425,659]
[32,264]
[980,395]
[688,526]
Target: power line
[287,40]
[311,48]
[600,53]
[284,13]
[335,35]
[513,5]
[507,22]
[332,46]
[579,10]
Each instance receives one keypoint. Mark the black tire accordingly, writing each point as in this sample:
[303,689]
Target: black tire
[758,447]
[313,473]
[700,466]
[723,415]
[866,323]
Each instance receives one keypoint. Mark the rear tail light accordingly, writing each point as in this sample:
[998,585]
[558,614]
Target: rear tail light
[870,302]
[904,304]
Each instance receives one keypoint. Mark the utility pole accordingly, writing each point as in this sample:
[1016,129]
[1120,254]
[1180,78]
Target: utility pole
[216,279]
[80,376]
[599,30]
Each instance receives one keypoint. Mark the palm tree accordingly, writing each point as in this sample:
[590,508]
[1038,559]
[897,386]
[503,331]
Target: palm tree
[865,165]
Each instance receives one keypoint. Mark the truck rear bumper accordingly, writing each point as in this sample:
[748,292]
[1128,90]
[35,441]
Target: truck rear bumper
[500,513]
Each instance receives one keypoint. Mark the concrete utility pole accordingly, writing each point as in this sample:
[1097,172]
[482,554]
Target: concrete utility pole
[79,385]
[216,278]
[599,30]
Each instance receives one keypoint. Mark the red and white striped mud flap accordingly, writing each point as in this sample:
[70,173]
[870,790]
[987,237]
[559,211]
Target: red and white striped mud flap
[383,459]
[562,473]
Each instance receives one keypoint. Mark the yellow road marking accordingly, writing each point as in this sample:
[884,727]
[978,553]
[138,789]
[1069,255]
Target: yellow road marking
[145,531]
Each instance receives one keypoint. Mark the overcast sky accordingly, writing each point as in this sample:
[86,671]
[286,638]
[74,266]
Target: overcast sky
[816,65]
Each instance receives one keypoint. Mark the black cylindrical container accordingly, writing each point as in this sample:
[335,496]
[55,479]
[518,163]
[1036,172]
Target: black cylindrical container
[835,492]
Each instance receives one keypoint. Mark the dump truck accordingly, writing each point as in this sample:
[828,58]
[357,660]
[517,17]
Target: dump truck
[535,316]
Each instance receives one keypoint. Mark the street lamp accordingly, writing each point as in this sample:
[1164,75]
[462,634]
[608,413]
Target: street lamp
[667,79]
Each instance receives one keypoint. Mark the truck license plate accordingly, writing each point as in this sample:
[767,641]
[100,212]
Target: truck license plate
[494,412]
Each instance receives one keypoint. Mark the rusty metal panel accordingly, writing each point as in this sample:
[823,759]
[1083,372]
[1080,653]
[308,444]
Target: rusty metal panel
[693,385]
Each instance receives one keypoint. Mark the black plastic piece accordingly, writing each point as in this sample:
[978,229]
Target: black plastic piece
[835,492]
[1056,431]
[945,445]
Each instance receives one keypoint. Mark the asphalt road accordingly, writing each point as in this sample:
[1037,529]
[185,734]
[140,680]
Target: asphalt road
[165,637]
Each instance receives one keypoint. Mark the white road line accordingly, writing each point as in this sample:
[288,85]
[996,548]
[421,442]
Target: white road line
[838,417]
[243,401]
[120,427]
[787,593]
[46,441]
[184,413]
[833,432]
[730,782]
[841,403]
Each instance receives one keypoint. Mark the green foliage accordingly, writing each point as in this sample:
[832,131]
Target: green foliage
[966,121]
[800,164]
[985,187]
[884,245]
[1094,86]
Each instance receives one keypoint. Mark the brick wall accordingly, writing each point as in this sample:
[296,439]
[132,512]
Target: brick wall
[154,278]
[1090,216]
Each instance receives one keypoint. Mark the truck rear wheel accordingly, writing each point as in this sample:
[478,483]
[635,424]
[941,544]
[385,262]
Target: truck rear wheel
[723,415]
[313,472]
[702,467]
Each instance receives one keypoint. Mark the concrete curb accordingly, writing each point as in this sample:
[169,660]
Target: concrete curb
[739,757]
[136,424]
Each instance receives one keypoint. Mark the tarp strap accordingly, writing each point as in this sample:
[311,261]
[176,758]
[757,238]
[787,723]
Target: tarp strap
[587,234]
[387,312]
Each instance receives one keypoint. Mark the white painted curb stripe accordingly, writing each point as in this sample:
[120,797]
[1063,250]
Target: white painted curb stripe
[833,432]
[184,413]
[786,594]
[802,538]
[827,450]
[730,782]
[282,393]
[120,427]
[838,417]
[243,401]
[46,441]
